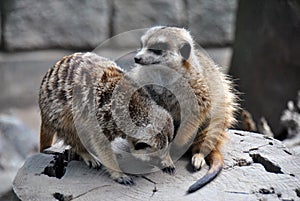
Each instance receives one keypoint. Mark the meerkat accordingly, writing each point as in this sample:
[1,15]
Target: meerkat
[175,48]
[94,79]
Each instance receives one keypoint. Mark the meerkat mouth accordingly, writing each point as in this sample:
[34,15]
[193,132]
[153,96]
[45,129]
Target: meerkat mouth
[153,63]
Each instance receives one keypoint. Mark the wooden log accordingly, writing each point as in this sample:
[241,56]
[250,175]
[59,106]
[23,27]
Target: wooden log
[257,167]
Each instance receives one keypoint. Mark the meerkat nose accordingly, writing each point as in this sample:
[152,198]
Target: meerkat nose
[137,59]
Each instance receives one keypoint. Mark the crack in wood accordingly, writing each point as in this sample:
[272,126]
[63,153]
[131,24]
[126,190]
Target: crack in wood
[256,148]
[268,138]
[96,188]
[297,190]
[62,197]
[240,134]
[241,162]
[57,167]
[286,151]
[266,191]
[144,177]
[154,190]
[238,192]
[267,164]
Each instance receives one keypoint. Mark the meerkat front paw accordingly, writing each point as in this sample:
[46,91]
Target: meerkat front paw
[90,160]
[168,166]
[122,178]
[198,161]
[170,170]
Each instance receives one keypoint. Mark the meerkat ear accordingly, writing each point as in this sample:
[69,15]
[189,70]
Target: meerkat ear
[185,51]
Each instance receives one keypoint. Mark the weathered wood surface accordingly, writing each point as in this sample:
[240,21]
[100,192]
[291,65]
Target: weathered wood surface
[256,168]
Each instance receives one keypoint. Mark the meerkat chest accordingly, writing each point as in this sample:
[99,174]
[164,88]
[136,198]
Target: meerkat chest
[166,99]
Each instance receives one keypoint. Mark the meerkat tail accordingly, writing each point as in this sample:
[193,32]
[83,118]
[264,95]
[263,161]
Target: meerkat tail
[216,165]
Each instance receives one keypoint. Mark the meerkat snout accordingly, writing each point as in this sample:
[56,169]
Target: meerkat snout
[163,52]
[137,59]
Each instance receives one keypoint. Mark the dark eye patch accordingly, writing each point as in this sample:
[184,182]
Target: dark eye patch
[155,51]
[141,145]
[158,48]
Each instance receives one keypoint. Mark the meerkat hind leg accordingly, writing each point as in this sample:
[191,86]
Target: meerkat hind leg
[198,158]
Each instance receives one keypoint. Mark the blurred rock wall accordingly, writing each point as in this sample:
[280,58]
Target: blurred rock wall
[266,58]
[36,24]
[37,33]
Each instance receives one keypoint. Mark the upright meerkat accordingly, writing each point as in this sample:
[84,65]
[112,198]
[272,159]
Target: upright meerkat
[175,48]
[80,88]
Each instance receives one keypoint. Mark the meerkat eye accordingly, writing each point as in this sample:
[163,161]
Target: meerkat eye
[158,52]
[158,48]
[141,145]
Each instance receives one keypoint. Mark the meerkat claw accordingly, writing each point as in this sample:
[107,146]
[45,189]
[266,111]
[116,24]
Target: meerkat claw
[170,170]
[125,180]
[90,161]
[94,164]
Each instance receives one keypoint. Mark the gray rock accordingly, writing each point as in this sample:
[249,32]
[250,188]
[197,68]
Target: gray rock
[16,143]
[212,22]
[35,24]
[16,136]
[131,15]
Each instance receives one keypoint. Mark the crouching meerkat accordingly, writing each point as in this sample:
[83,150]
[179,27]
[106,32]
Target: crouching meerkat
[175,48]
[94,79]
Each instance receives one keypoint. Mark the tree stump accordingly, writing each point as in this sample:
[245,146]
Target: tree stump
[257,167]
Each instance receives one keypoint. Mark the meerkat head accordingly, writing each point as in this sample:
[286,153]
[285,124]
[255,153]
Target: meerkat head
[152,142]
[168,46]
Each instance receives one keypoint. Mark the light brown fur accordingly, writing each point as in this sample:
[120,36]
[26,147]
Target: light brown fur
[213,91]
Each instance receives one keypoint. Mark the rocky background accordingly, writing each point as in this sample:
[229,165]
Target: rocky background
[263,36]
[35,34]
[266,58]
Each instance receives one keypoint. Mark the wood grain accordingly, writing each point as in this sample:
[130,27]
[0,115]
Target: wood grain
[256,167]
